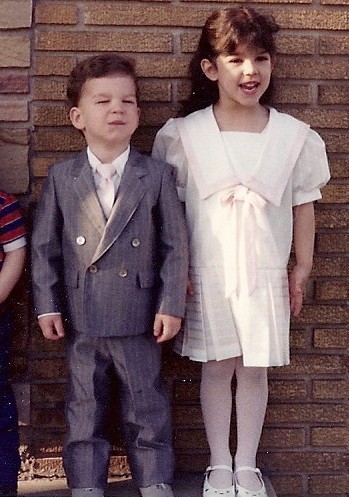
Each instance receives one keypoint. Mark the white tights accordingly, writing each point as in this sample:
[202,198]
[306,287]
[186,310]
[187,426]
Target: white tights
[216,403]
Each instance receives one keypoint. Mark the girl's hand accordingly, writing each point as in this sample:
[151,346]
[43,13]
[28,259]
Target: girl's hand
[297,286]
[190,289]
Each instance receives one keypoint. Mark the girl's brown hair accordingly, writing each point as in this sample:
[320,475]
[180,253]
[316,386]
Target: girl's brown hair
[221,34]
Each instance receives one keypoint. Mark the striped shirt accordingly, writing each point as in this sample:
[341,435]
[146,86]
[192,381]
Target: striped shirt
[12,229]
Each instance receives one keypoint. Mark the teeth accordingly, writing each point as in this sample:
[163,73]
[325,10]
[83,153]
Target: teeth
[249,86]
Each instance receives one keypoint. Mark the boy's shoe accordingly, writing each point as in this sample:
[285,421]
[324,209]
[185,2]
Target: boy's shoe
[158,490]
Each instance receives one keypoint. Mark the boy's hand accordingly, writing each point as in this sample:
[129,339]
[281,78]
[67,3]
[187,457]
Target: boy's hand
[52,326]
[166,327]
[297,284]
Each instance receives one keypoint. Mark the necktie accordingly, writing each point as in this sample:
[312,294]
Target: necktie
[106,189]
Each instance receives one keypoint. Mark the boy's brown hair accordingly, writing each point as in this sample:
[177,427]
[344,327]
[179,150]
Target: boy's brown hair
[98,66]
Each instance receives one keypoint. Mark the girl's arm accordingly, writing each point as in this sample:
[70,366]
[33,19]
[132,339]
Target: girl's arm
[304,233]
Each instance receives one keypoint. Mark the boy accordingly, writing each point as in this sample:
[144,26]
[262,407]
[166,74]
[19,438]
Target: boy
[111,277]
[12,257]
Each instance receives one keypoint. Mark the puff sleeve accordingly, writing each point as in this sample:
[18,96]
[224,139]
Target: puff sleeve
[311,171]
[168,148]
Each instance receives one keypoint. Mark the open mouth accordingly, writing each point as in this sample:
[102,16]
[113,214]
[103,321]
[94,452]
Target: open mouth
[249,87]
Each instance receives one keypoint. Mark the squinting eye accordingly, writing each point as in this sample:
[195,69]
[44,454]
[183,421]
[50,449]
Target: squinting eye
[102,101]
[129,102]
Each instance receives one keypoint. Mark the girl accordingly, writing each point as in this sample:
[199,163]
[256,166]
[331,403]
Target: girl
[248,176]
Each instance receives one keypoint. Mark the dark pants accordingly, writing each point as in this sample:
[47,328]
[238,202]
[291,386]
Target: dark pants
[9,436]
[145,410]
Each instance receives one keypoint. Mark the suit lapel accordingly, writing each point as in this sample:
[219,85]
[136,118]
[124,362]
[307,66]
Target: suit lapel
[130,193]
[84,186]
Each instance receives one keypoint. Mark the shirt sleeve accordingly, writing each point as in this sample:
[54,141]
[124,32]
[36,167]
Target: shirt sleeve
[12,229]
[16,244]
[168,148]
[311,171]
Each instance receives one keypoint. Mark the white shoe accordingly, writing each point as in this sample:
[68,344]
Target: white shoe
[209,491]
[157,490]
[243,492]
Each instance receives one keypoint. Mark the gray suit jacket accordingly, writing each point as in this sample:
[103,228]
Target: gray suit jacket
[108,278]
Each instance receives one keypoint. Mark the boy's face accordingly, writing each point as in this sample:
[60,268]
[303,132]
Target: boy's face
[107,112]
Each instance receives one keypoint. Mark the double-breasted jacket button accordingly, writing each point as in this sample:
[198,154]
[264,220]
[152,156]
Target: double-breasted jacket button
[93,268]
[123,273]
[81,240]
[135,242]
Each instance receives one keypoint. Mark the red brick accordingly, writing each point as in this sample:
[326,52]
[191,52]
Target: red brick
[336,194]
[60,141]
[106,41]
[332,290]
[307,68]
[56,13]
[57,65]
[335,142]
[48,418]
[283,390]
[46,89]
[292,94]
[336,338]
[306,462]
[330,437]
[329,484]
[305,413]
[13,83]
[13,110]
[333,95]
[307,364]
[48,369]
[339,168]
[132,15]
[14,51]
[334,45]
[15,14]
[331,242]
[299,339]
[332,219]
[48,393]
[330,389]
[282,438]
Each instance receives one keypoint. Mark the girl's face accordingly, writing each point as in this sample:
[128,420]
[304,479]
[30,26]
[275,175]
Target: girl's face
[242,76]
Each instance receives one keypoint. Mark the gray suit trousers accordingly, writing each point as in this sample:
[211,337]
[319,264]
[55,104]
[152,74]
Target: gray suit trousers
[145,409]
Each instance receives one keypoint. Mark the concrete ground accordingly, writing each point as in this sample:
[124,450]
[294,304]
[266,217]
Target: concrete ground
[185,485]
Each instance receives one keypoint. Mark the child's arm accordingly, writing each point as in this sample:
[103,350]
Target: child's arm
[166,327]
[304,233]
[11,271]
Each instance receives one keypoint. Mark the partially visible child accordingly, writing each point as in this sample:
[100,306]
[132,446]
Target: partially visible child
[249,176]
[110,269]
[12,258]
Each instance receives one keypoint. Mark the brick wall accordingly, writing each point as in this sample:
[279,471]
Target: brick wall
[305,441]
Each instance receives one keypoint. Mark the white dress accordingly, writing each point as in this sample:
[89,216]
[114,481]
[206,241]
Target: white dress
[239,190]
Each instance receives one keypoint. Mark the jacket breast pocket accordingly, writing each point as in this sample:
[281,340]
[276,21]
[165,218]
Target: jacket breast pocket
[146,279]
